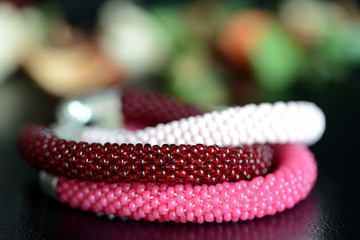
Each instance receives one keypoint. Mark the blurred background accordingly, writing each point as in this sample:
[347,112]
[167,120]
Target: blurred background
[208,53]
[204,52]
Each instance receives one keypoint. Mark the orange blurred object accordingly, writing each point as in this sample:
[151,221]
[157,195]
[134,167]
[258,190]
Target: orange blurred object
[241,34]
[72,65]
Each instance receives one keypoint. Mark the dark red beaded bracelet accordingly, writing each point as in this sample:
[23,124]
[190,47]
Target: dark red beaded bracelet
[112,163]
[150,109]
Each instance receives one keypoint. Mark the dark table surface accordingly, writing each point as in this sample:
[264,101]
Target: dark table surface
[331,211]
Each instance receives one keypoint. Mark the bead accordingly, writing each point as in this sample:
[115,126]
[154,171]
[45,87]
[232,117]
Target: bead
[290,158]
[247,125]
[200,182]
[180,210]
[155,202]
[154,163]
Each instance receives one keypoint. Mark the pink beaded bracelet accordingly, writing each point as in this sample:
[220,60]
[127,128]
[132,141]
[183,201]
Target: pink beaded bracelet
[291,182]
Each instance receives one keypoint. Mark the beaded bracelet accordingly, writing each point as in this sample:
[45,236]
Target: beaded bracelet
[290,182]
[266,123]
[110,163]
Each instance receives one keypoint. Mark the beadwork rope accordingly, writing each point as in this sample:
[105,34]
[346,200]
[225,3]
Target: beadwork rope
[288,125]
[111,163]
[266,123]
[291,182]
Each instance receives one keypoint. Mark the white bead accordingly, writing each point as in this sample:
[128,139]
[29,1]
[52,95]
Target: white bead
[279,122]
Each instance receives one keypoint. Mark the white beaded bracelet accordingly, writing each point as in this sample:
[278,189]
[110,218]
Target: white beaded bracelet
[265,123]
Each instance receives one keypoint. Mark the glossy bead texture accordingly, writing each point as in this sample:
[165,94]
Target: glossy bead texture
[150,109]
[265,123]
[290,182]
[110,163]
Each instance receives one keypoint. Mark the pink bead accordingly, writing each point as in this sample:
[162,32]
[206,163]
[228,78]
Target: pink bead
[170,192]
[124,199]
[198,212]
[260,214]
[209,217]
[237,186]
[180,198]
[197,200]
[98,193]
[190,216]
[156,214]
[219,219]
[224,195]
[96,208]
[140,188]
[93,186]
[131,193]
[117,205]
[163,197]
[155,202]
[67,185]
[180,210]
[75,188]
[110,196]
[172,215]
[163,187]
[207,206]
[245,207]
[141,213]
[262,205]
[139,201]
[236,213]
[118,191]
[109,210]
[105,188]
[254,210]
[132,206]
[200,220]
[219,187]
[91,198]
[164,218]
[212,190]
[179,188]
[103,201]
[217,212]
[225,207]
[189,193]
[227,217]
[226,185]
[231,190]
[86,205]
[155,190]
[151,217]
[172,203]
[233,202]
[216,201]
[204,194]
[197,189]
[147,208]
[189,205]
[244,216]
[183,219]
[162,209]
[146,196]
[79,195]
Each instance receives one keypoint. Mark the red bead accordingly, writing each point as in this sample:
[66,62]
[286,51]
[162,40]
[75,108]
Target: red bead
[142,163]
[150,109]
